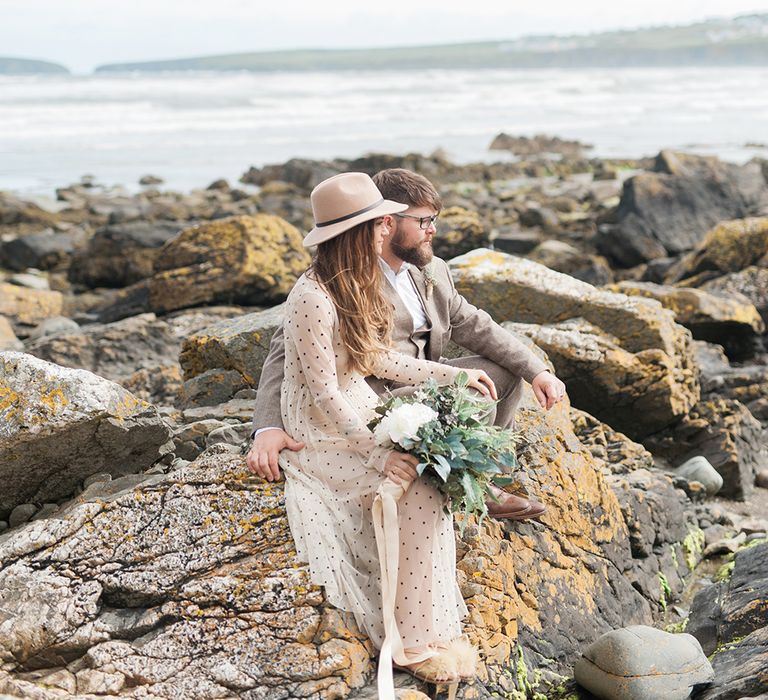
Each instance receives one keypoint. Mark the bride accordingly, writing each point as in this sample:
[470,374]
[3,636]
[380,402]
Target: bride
[396,575]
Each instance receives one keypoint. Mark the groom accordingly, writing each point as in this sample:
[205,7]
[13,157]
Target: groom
[428,312]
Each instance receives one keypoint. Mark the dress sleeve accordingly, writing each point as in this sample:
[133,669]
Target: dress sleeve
[309,324]
[409,370]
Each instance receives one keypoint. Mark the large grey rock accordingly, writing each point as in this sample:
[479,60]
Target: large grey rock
[669,211]
[114,351]
[58,426]
[741,670]
[735,607]
[45,251]
[514,289]
[643,663]
[122,254]
[135,590]
[750,283]
[632,392]
[139,353]
[664,539]
[729,320]
[699,469]
[227,356]
[730,619]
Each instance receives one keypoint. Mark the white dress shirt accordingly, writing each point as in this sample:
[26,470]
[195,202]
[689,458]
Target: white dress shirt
[403,284]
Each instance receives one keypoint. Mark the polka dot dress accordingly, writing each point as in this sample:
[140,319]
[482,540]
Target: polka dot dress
[331,483]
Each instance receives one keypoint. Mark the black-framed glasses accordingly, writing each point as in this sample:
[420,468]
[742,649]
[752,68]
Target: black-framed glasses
[424,221]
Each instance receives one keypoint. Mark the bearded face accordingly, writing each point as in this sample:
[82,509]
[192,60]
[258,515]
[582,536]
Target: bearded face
[411,244]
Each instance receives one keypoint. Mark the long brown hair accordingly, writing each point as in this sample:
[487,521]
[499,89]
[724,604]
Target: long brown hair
[348,268]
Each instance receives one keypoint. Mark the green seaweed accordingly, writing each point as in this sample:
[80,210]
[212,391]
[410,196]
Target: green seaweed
[665,591]
[725,571]
[754,543]
[693,544]
[676,627]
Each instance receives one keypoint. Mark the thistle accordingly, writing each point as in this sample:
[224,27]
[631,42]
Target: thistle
[429,280]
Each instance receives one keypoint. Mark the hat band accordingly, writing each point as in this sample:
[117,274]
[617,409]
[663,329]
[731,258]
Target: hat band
[350,216]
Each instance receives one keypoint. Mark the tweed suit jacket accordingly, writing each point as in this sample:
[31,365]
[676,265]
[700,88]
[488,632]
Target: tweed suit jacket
[451,318]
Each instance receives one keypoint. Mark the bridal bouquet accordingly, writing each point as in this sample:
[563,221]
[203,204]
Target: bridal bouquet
[443,427]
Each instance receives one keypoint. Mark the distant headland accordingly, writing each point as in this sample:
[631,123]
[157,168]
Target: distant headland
[739,41]
[26,66]
[734,41]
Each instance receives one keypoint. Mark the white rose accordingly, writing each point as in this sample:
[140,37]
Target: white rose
[381,432]
[404,422]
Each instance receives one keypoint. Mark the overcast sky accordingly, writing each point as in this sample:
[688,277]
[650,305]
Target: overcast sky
[84,33]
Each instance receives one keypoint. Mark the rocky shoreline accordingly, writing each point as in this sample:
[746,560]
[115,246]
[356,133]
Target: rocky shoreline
[138,556]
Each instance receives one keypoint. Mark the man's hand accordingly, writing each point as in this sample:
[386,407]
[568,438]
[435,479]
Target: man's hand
[548,389]
[262,457]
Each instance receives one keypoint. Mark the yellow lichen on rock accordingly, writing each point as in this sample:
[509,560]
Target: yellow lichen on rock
[730,246]
[8,397]
[29,307]
[239,259]
[127,405]
[459,230]
[53,400]
[693,306]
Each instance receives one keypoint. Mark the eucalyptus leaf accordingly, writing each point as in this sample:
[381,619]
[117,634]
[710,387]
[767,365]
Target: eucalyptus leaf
[469,490]
[442,467]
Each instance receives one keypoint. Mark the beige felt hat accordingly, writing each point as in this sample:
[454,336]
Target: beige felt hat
[343,201]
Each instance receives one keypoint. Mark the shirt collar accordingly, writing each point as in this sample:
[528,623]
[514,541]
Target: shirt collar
[404,267]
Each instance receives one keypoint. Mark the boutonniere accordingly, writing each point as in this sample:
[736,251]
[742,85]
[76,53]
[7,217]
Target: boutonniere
[429,280]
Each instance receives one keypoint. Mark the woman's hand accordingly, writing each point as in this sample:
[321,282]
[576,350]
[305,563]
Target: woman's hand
[482,382]
[401,467]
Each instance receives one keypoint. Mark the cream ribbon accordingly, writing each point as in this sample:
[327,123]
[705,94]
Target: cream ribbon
[387,529]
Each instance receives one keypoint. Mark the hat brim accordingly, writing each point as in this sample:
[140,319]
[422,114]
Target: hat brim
[325,233]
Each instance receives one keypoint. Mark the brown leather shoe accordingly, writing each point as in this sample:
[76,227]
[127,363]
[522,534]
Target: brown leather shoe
[514,507]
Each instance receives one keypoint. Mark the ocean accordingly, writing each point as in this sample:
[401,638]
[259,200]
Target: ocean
[193,128]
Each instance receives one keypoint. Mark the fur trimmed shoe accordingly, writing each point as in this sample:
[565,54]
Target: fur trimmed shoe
[441,668]
[466,657]
[455,661]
